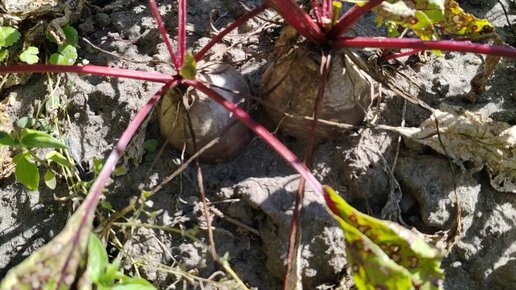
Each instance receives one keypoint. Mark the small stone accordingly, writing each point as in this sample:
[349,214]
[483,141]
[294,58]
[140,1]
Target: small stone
[102,19]
[87,27]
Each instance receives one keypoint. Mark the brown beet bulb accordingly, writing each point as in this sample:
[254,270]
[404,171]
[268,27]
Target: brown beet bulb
[208,118]
[290,84]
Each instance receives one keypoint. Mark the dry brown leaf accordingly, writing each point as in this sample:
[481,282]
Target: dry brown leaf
[472,137]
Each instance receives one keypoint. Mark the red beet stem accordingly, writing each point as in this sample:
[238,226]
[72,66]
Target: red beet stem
[263,133]
[401,54]
[445,45]
[217,38]
[88,69]
[95,192]
[350,18]
[164,34]
[181,32]
[317,12]
[299,19]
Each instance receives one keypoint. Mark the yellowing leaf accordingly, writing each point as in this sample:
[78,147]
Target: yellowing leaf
[384,255]
[189,69]
[431,18]
[58,158]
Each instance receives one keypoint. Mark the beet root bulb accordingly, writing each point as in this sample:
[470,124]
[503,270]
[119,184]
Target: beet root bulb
[209,120]
[290,85]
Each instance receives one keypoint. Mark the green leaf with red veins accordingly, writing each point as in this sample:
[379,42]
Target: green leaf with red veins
[384,255]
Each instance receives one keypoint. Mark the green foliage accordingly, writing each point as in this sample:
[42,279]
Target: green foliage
[430,19]
[3,54]
[37,139]
[105,275]
[7,140]
[71,35]
[67,51]
[50,180]
[189,68]
[66,55]
[26,171]
[382,254]
[8,37]
[150,145]
[30,55]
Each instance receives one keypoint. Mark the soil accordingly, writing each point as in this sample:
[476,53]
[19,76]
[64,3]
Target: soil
[256,189]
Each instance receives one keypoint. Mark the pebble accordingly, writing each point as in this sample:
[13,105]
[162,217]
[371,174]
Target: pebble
[102,19]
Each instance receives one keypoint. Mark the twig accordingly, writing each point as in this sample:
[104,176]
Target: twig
[234,221]
[293,268]
[223,262]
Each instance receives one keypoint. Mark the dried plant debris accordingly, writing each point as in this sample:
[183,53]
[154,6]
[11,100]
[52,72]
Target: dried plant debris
[472,137]
[6,163]
[22,9]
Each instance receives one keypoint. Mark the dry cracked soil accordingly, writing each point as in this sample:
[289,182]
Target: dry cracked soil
[252,195]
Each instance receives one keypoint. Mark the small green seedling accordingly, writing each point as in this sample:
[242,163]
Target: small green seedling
[30,55]
[66,50]
[8,37]
[105,275]
[26,169]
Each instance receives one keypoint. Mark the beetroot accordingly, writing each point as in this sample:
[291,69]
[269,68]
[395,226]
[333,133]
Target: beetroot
[289,88]
[208,118]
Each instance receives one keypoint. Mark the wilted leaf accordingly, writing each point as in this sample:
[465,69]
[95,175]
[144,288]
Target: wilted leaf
[384,255]
[430,18]
[471,137]
[52,103]
[38,139]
